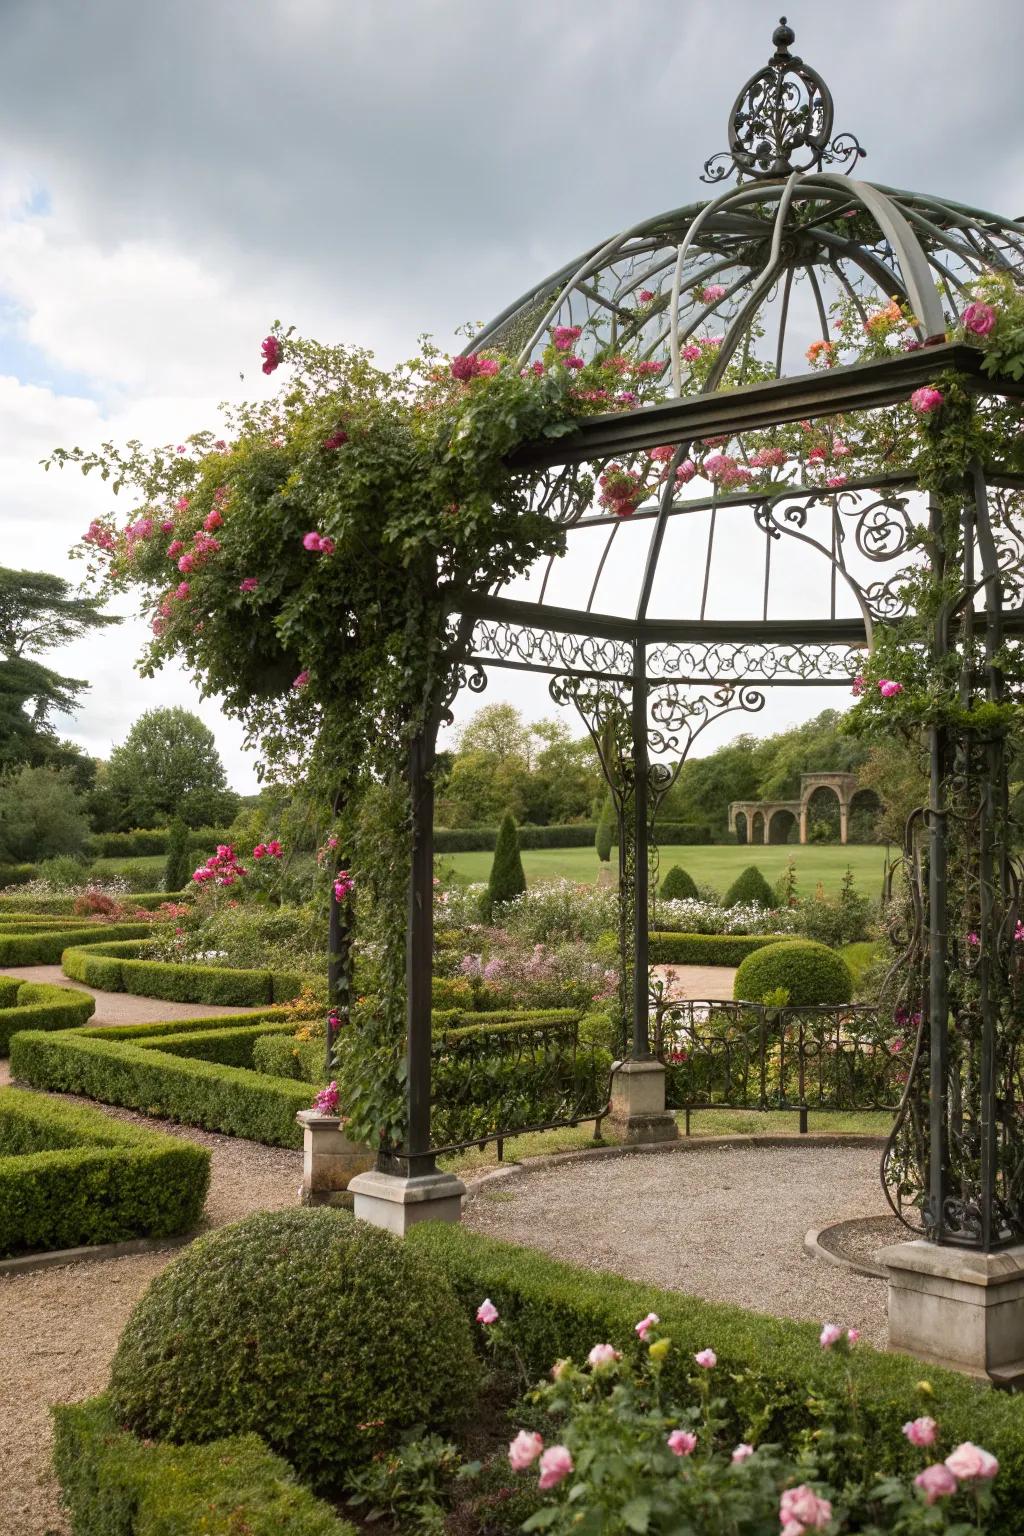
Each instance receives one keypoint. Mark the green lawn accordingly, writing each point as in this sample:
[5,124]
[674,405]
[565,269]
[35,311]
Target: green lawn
[717,867]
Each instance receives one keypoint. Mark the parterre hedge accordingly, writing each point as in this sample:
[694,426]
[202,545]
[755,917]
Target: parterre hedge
[39,1005]
[71,1176]
[706,948]
[120,967]
[64,906]
[550,1310]
[117,1485]
[45,945]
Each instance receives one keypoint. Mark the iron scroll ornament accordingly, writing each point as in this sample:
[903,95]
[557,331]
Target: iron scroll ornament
[781,122]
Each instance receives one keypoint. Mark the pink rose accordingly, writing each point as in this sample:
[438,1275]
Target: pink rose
[742,1451]
[272,353]
[563,336]
[803,1507]
[174,549]
[645,1325]
[691,353]
[830,1334]
[681,1442]
[858,685]
[712,293]
[524,1450]
[922,1431]
[645,295]
[968,1462]
[488,366]
[336,440]
[301,680]
[852,1335]
[603,1354]
[182,591]
[926,400]
[487,1312]
[555,1466]
[889,689]
[311,541]
[250,584]
[260,851]
[167,526]
[212,520]
[706,1359]
[936,1482]
[979,319]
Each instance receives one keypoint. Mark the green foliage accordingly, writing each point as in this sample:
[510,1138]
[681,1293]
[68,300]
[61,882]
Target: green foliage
[143,841]
[135,1073]
[179,865]
[116,1485]
[42,813]
[328,1336]
[120,967]
[71,1176]
[606,828]
[21,904]
[45,945]
[40,1005]
[749,887]
[807,972]
[507,880]
[706,948]
[679,886]
[776,1383]
[168,765]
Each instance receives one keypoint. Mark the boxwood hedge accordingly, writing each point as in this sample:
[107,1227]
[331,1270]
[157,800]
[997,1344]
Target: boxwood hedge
[116,1485]
[64,906]
[27,944]
[39,1005]
[706,948]
[810,974]
[122,967]
[72,1176]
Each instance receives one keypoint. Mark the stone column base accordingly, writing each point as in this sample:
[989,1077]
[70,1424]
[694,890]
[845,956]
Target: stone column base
[958,1308]
[329,1159]
[387,1200]
[638,1110]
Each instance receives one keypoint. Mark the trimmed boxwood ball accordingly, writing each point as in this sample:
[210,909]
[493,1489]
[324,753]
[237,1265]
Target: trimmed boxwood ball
[679,886]
[749,886]
[324,1335]
[811,974]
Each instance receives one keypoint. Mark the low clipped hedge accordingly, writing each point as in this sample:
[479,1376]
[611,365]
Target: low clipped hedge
[706,948]
[71,1176]
[40,1005]
[117,1485]
[550,1310]
[145,842]
[64,906]
[142,1075]
[45,945]
[121,967]
[812,975]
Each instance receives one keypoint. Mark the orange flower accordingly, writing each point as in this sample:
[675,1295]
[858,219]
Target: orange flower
[820,350]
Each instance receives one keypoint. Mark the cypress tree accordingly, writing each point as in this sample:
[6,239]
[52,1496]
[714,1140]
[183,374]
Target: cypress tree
[507,879]
[605,834]
[177,869]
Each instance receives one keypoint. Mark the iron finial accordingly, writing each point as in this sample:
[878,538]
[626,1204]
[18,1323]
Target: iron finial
[783,37]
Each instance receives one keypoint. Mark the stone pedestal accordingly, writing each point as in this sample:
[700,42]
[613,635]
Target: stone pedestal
[638,1110]
[396,1204]
[958,1308]
[329,1159]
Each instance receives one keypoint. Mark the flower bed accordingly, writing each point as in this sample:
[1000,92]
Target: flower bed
[38,1005]
[122,967]
[72,1176]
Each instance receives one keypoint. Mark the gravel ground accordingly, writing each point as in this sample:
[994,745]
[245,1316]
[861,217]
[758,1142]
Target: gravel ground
[59,1328]
[700,981]
[723,1223]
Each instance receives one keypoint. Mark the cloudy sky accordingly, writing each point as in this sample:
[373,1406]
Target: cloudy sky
[174,176]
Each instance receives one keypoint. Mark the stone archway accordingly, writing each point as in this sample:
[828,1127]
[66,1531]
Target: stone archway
[842,785]
[783,821]
[757,827]
[865,809]
[740,826]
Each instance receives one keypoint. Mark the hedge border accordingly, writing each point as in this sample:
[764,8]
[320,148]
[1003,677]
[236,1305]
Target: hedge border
[75,1177]
[116,1485]
[41,1005]
[64,906]
[707,948]
[120,967]
[46,946]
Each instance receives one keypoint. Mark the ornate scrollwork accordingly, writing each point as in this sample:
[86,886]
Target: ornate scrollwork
[754,661]
[540,649]
[781,121]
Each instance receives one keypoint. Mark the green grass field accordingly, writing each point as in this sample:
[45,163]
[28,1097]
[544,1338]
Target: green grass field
[717,867]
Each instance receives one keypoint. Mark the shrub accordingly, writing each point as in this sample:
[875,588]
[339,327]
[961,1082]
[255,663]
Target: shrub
[16,874]
[116,1485]
[705,948]
[556,910]
[605,835]
[679,886]
[121,967]
[329,1336]
[71,1176]
[810,973]
[40,1005]
[507,880]
[749,886]
[44,946]
[178,870]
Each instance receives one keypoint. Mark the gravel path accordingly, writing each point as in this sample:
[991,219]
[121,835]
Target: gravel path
[59,1328]
[723,1223]
[706,982]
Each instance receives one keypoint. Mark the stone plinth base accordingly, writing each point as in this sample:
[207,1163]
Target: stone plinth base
[396,1204]
[329,1159]
[959,1308]
[638,1110]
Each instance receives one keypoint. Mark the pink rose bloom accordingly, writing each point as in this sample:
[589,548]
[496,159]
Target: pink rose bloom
[524,1450]
[922,1431]
[464,368]
[835,481]
[326,1101]
[926,400]
[212,520]
[685,471]
[712,293]
[681,1442]
[889,689]
[186,563]
[973,940]
[707,1359]
[174,549]
[574,362]
[663,454]
[645,295]
[250,584]
[488,366]
[182,504]
[803,1507]
[742,1451]
[858,685]
[968,1462]
[260,851]
[337,439]
[555,1466]
[645,1325]
[979,319]
[487,1312]
[852,1335]
[936,1482]
[182,590]
[311,541]
[830,1334]
[301,680]
[563,336]
[603,1354]
[274,848]
[167,526]
[691,353]
[272,353]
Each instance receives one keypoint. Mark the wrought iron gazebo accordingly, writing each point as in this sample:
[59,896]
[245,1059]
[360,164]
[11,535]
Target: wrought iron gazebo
[681,605]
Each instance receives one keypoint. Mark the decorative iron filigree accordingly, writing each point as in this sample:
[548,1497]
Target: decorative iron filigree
[781,122]
[759,661]
[545,649]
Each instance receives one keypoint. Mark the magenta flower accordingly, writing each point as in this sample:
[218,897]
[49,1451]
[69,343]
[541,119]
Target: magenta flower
[681,1442]
[926,400]
[250,584]
[646,295]
[706,1359]
[830,1334]
[167,526]
[174,549]
[969,1462]
[555,1466]
[301,680]
[344,885]
[524,1450]
[182,590]
[603,1354]
[272,353]
[645,1325]
[563,336]
[712,293]
[326,1101]
[936,1482]
[858,685]
[691,352]
[487,367]
[741,1453]
[852,1335]
[260,851]
[487,1312]
[802,1508]
[212,520]
[921,1432]
[685,471]
[889,689]
[973,940]
[468,367]
[835,481]
[979,319]
[274,848]
[186,564]
[182,504]
[311,541]
[572,361]
[337,439]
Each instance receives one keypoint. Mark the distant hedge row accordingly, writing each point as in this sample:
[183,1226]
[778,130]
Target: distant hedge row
[576,834]
[145,842]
